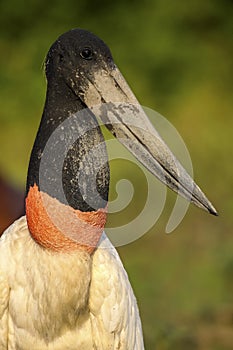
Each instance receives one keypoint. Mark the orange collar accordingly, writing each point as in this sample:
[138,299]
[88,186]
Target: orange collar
[59,227]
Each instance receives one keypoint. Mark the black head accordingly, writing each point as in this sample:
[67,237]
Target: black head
[70,64]
[76,55]
[81,73]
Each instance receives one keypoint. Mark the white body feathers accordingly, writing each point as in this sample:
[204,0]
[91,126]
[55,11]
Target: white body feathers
[57,301]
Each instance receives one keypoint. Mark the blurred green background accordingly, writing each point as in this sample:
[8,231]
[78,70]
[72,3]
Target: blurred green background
[178,58]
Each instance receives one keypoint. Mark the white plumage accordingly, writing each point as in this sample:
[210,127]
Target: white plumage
[62,284]
[64,301]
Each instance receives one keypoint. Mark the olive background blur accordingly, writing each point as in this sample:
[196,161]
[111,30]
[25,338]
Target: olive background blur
[177,58]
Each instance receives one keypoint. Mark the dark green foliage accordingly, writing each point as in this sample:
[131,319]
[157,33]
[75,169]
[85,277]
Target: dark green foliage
[177,57]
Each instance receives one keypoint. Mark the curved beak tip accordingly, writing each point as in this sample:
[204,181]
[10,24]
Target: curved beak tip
[127,121]
[213,211]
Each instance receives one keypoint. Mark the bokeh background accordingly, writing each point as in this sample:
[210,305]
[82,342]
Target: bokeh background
[178,58]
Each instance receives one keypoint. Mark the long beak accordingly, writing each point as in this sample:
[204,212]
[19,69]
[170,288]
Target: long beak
[109,97]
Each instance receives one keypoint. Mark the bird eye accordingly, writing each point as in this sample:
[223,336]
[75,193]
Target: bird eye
[86,53]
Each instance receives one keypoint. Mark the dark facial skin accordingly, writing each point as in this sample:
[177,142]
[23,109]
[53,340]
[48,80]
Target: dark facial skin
[71,60]
[75,57]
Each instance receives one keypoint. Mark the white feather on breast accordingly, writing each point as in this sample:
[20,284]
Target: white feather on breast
[57,301]
[48,291]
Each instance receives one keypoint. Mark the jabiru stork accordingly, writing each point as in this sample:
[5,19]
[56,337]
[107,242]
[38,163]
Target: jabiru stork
[62,284]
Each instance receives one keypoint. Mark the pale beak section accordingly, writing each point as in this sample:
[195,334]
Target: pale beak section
[109,97]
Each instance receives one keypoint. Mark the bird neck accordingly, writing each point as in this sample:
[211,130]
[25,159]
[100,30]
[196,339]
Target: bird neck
[68,176]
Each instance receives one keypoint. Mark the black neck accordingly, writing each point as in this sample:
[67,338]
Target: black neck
[65,162]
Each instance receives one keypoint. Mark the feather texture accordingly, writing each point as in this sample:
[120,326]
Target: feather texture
[113,306]
[58,301]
